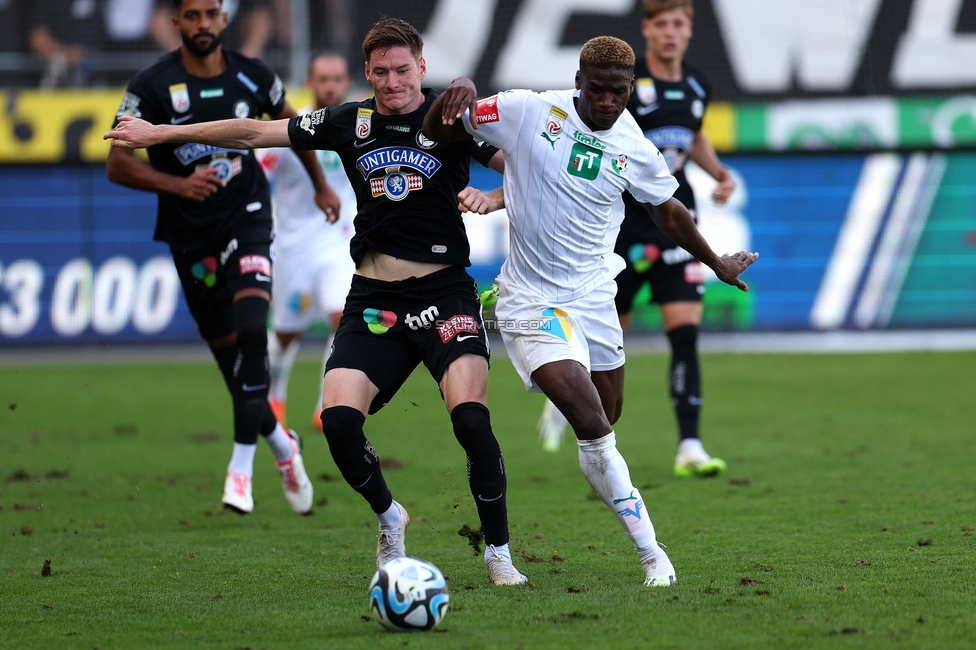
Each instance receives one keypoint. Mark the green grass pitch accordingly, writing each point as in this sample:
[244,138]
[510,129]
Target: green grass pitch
[846,518]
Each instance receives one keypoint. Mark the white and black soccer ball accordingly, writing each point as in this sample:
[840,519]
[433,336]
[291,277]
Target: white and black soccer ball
[408,595]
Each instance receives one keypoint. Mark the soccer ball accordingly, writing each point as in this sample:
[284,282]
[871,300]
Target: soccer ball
[407,595]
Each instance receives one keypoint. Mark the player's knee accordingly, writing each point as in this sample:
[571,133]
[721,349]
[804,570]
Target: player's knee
[472,428]
[251,321]
[684,341]
[343,429]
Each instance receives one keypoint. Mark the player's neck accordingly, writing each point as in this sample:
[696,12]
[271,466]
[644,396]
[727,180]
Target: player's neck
[663,69]
[211,65]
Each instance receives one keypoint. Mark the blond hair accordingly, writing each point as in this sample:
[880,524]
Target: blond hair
[606,52]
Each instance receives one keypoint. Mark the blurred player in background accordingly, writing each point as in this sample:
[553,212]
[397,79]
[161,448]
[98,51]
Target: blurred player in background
[411,300]
[215,214]
[313,269]
[668,103]
[569,155]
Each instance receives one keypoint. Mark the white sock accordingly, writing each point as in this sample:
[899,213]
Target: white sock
[280,443]
[392,516]
[501,551]
[242,460]
[280,362]
[606,470]
[693,448]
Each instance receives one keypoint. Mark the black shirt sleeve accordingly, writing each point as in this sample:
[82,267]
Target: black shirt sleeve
[140,101]
[481,151]
[316,130]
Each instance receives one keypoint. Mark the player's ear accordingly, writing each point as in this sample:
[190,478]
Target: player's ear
[423,67]
[367,71]
[578,85]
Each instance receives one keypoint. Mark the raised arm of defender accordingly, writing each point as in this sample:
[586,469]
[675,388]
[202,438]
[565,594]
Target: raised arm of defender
[441,122]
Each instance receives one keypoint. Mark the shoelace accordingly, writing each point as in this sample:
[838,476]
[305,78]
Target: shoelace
[240,484]
[501,564]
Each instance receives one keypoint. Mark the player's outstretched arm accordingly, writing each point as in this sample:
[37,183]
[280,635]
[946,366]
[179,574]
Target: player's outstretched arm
[244,133]
[673,218]
[443,121]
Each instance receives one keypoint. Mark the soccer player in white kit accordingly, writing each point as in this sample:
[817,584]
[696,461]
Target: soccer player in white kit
[569,155]
[313,269]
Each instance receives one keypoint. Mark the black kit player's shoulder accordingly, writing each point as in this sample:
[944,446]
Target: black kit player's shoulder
[691,72]
[260,79]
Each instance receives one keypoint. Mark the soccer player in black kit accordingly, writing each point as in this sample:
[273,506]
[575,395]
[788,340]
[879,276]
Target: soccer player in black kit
[411,299]
[668,102]
[215,214]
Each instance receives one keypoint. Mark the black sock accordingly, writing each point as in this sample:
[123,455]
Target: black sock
[355,457]
[486,469]
[250,382]
[685,379]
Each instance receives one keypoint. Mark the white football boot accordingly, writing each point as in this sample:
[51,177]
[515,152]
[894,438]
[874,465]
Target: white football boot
[294,479]
[237,493]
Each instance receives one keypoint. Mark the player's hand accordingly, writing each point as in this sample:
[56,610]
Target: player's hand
[460,96]
[730,266]
[471,199]
[201,184]
[329,203]
[133,133]
[724,189]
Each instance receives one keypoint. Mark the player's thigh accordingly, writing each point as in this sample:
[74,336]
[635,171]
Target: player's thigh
[383,361]
[446,322]
[536,334]
[679,313]
[207,296]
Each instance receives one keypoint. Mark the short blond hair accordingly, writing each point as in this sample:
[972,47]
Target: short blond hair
[606,52]
[655,7]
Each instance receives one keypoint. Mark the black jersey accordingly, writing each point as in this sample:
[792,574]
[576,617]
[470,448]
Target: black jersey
[165,93]
[406,185]
[670,115]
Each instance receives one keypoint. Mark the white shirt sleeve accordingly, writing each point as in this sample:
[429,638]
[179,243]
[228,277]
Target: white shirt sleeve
[653,183]
[499,118]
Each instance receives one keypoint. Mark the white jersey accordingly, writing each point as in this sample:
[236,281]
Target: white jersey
[561,183]
[298,220]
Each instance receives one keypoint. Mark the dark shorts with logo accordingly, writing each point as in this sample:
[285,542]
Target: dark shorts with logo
[388,328]
[648,262]
[213,274]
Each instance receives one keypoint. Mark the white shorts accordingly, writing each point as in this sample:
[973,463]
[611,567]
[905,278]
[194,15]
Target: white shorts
[535,332]
[307,285]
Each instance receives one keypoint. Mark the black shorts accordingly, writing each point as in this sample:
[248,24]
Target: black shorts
[388,328]
[212,275]
[672,272]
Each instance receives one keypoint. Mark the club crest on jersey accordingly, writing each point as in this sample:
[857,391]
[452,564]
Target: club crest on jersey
[395,185]
[697,109]
[425,142]
[364,123]
[227,168]
[179,94]
[619,164]
[646,92]
[554,125]
[242,109]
